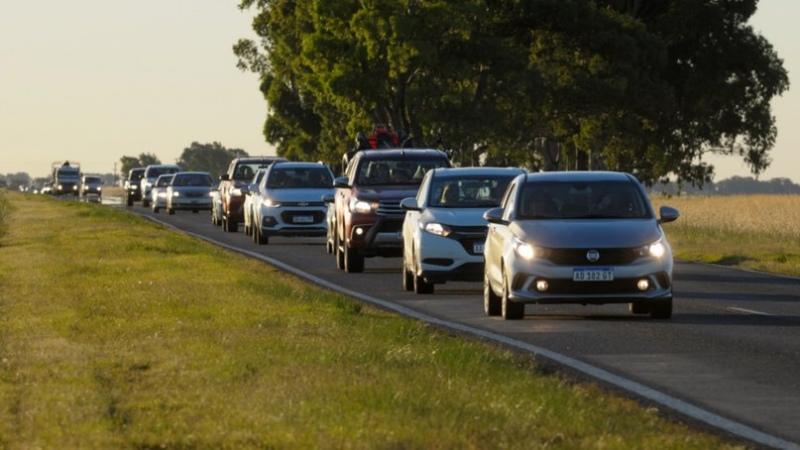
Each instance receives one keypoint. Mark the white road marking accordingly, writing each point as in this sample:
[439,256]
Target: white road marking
[749,311]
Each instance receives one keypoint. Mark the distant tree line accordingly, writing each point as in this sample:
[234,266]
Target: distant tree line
[732,186]
[213,158]
[646,87]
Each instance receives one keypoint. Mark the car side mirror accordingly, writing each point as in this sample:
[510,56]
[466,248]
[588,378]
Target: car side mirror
[224,177]
[341,182]
[327,199]
[668,214]
[494,215]
[410,204]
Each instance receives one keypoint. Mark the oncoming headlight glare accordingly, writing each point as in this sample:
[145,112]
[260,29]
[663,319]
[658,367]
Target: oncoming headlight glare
[437,229]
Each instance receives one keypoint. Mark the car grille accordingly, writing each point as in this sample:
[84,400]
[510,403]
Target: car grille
[390,208]
[468,236]
[195,194]
[303,204]
[621,286]
[577,257]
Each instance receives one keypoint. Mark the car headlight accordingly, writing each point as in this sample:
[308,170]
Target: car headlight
[361,206]
[236,192]
[270,203]
[656,249]
[526,251]
[176,194]
[436,228]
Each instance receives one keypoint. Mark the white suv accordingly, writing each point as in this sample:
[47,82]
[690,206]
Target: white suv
[444,230]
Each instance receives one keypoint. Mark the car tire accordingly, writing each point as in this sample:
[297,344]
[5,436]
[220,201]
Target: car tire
[145,203]
[170,211]
[661,309]
[129,201]
[492,303]
[420,285]
[155,209]
[408,279]
[353,261]
[338,253]
[260,238]
[511,310]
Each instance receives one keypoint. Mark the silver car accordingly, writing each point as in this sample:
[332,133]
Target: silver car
[288,201]
[579,238]
[190,191]
[158,192]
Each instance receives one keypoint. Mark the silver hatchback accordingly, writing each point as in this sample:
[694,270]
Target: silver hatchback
[580,238]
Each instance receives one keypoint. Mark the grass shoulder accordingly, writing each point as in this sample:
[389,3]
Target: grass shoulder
[117,332]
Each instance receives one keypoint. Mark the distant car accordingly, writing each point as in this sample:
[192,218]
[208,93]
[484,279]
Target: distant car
[288,201]
[158,192]
[133,185]
[250,192]
[91,185]
[578,238]
[47,188]
[444,230]
[151,173]
[190,191]
[240,172]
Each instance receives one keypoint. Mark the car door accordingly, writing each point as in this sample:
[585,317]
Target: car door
[498,236]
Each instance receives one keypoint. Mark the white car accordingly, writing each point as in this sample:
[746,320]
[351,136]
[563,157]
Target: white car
[251,191]
[444,230]
[158,192]
[151,174]
[586,238]
[288,201]
[216,206]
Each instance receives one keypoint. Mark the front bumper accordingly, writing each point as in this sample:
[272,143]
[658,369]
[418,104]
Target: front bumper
[525,276]
[447,259]
[293,221]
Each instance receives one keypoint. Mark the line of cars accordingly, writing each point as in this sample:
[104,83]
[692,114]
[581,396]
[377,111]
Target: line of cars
[169,187]
[531,238]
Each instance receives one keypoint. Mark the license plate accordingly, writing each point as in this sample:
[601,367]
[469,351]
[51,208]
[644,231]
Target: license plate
[303,219]
[477,247]
[593,274]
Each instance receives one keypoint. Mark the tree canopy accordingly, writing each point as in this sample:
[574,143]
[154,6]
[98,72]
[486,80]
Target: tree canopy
[143,160]
[648,87]
[213,158]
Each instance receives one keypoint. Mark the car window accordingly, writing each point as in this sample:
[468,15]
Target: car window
[300,178]
[396,171]
[582,200]
[200,180]
[468,192]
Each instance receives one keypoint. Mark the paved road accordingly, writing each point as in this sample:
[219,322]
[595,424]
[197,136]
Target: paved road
[730,356]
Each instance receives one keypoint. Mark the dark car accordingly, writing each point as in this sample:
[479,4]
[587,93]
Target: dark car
[133,188]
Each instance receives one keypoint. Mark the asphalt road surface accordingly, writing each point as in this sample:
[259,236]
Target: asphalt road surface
[729,357]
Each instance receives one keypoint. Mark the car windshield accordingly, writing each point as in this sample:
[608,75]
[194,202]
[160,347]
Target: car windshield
[300,178]
[163,180]
[246,171]
[468,192]
[582,200]
[155,172]
[201,180]
[399,171]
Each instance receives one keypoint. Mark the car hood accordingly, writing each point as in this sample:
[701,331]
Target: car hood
[389,192]
[298,195]
[588,233]
[468,217]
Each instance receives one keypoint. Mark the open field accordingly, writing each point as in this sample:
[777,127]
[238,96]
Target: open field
[760,232]
[119,333]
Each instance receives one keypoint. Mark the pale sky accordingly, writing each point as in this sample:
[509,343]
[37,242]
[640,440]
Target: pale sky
[94,80]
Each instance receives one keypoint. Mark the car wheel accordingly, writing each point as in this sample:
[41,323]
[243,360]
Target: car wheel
[511,310]
[260,238]
[661,309]
[420,285]
[408,279]
[233,226]
[155,209]
[492,303]
[129,201]
[170,211]
[338,253]
[353,261]
[145,203]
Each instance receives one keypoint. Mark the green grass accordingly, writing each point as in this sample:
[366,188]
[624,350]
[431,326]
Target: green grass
[118,333]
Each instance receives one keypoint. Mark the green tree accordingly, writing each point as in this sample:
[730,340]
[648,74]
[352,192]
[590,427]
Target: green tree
[213,158]
[645,87]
